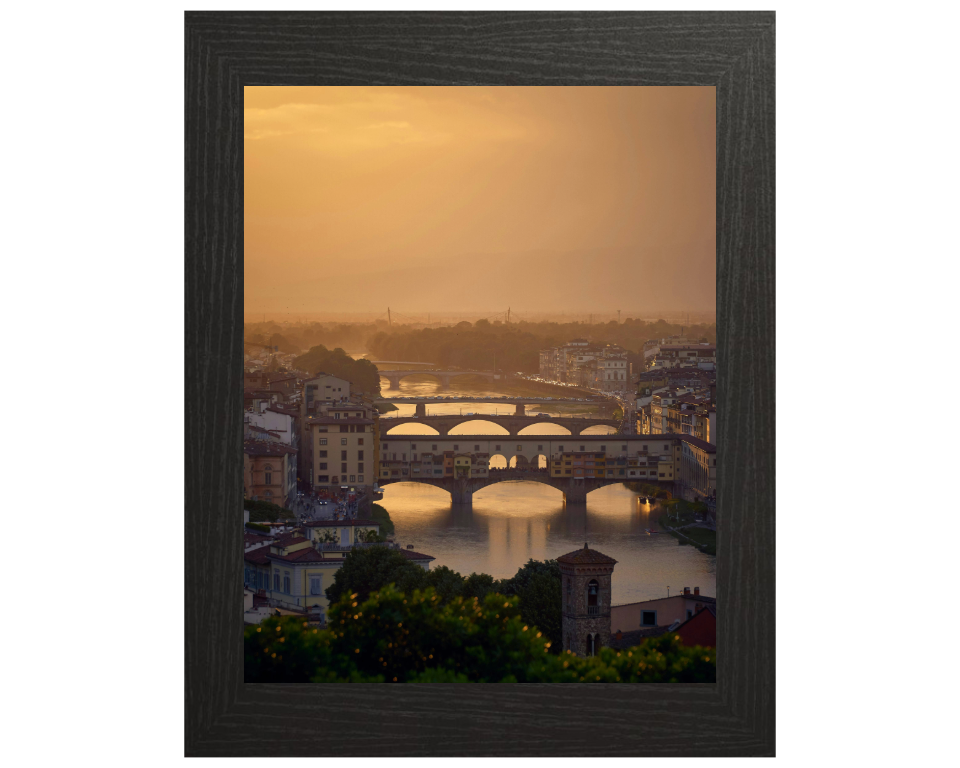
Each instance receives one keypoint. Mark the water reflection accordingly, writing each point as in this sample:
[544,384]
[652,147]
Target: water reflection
[511,522]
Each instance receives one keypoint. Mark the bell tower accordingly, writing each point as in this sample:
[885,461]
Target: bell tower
[586,586]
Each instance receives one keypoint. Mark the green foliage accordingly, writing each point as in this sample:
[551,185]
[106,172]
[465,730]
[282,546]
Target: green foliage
[370,537]
[258,527]
[538,585]
[264,511]
[362,374]
[397,637]
[366,570]
[327,536]
[381,515]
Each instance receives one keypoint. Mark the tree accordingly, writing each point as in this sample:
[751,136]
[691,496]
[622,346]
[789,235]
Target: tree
[369,569]
[397,637]
[538,585]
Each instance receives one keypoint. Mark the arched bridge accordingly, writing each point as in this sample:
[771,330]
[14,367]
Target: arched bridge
[461,489]
[394,376]
[513,423]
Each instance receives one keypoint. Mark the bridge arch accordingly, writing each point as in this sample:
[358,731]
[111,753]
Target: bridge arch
[497,461]
[402,429]
[531,429]
[599,429]
[456,428]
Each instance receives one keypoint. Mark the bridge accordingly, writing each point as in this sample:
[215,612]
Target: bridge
[461,489]
[525,451]
[513,423]
[504,400]
[394,376]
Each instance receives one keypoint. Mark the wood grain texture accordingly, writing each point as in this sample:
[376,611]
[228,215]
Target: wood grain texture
[733,52]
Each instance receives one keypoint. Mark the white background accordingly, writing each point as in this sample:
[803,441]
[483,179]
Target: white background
[866,323]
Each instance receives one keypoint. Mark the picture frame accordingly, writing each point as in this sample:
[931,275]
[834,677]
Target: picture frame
[733,51]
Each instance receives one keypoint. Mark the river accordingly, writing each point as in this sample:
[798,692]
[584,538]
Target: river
[512,522]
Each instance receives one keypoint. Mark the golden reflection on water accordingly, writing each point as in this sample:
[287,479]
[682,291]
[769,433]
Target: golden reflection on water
[512,522]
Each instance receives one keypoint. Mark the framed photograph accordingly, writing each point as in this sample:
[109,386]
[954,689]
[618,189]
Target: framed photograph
[447,276]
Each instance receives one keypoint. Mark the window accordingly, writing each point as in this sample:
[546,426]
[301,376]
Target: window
[590,648]
[343,455]
[359,441]
[323,478]
[648,618]
[322,454]
[343,441]
[315,585]
[539,447]
[323,441]
[359,478]
[569,592]
[603,448]
[498,447]
[593,597]
[353,478]
[434,447]
[520,448]
[276,581]
[286,582]
[360,455]
[360,468]
[582,448]
[268,478]
[413,446]
[689,614]
[323,465]
[476,447]
[345,428]
[343,468]
[456,447]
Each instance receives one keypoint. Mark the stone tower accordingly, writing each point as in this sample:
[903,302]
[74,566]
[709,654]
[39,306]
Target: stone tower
[586,591]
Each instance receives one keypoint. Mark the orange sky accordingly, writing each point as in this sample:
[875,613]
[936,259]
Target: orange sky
[479,198]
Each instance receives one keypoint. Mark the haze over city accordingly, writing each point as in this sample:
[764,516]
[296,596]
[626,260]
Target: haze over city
[469,199]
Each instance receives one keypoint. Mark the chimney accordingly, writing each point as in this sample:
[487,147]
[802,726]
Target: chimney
[696,590]
[585,545]
[686,590]
[619,635]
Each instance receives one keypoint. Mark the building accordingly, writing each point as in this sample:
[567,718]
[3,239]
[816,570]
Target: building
[345,441]
[661,612]
[269,472]
[586,577]
[698,467]
[294,570]
[702,356]
[324,386]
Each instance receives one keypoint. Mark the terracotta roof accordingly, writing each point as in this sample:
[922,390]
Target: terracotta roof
[254,538]
[338,523]
[257,556]
[586,556]
[307,555]
[411,555]
[258,448]
[288,538]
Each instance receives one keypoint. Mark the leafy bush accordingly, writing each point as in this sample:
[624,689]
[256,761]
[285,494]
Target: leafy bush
[258,527]
[393,637]
[381,515]
[264,511]
[362,374]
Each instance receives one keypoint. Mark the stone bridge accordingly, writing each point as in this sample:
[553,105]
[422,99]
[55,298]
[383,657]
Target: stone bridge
[394,376]
[513,423]
[461,489]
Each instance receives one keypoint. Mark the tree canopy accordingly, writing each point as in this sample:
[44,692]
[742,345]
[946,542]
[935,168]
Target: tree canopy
[416,637]
[362,374]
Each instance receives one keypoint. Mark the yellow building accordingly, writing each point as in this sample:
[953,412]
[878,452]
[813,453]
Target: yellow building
[345,444]
[267,472]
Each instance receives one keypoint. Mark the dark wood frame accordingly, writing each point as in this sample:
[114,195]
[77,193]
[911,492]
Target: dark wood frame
[732,51]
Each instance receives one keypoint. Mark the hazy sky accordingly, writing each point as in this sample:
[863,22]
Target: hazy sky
[477,198]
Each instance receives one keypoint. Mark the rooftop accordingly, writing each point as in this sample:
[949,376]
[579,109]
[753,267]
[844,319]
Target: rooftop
[586,556]
[259,448]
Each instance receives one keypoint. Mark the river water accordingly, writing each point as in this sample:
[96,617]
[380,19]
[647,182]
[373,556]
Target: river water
[512,522]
